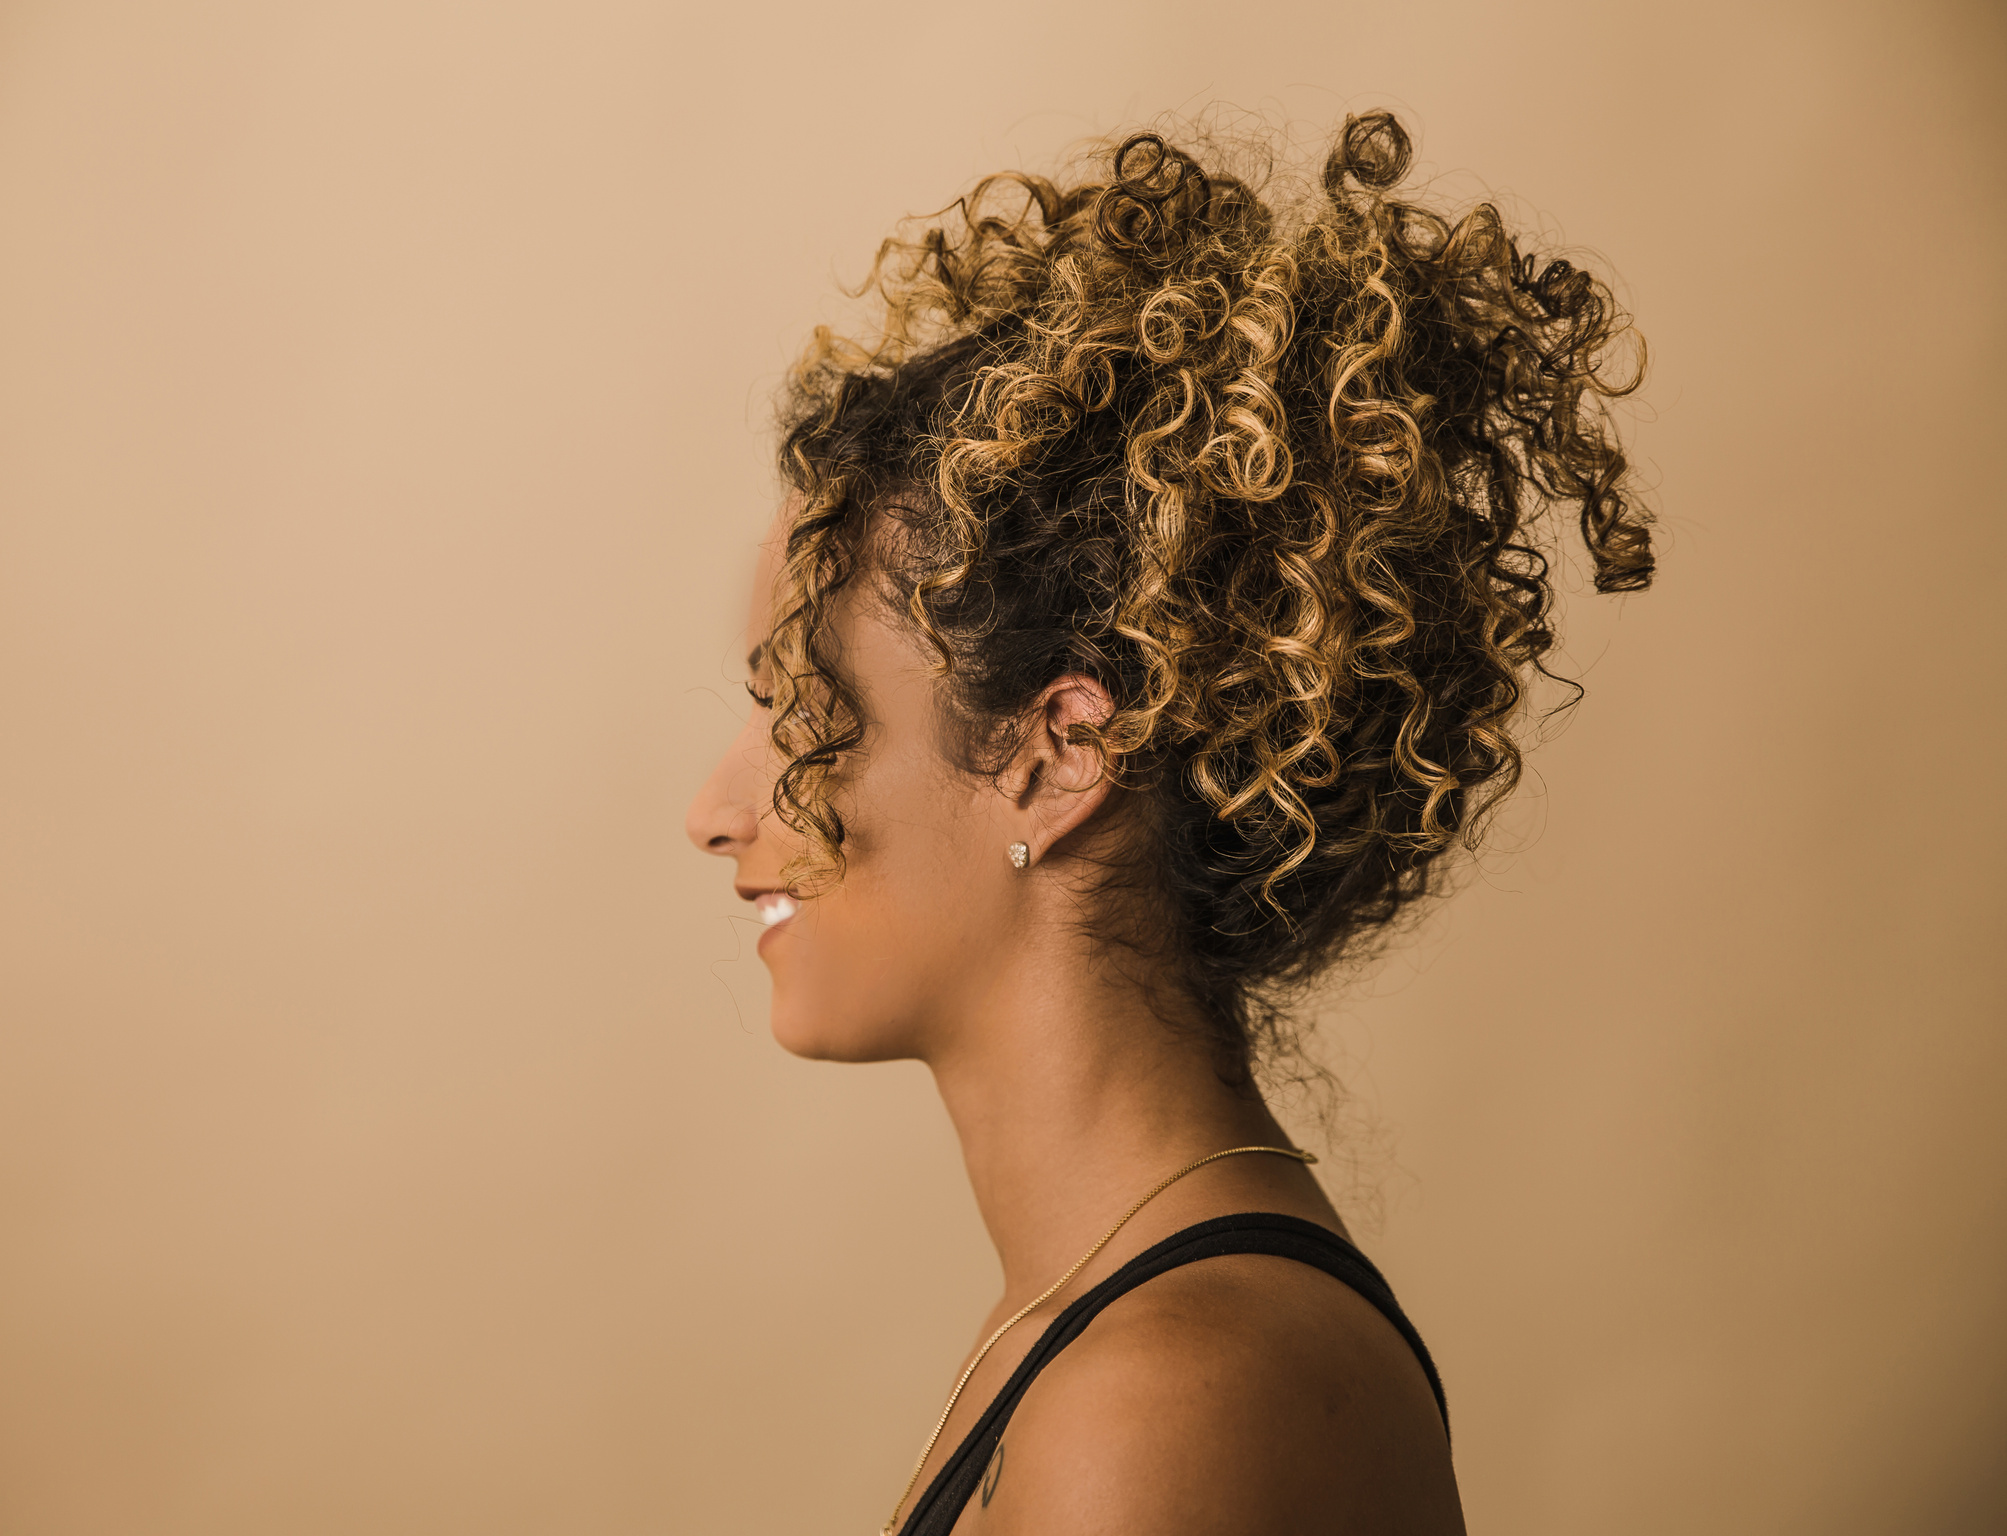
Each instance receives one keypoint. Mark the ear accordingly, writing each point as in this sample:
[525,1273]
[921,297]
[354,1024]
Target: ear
[1055,783]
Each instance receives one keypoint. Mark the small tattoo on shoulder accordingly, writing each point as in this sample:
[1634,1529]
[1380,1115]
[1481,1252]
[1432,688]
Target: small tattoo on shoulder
[992,1474]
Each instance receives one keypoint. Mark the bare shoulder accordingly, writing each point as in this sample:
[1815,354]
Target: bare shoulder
[1247,1394]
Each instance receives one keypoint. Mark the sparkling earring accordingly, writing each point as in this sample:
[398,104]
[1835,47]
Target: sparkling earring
[1020,856]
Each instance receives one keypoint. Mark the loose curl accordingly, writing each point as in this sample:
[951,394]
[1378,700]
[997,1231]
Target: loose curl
[1271,479]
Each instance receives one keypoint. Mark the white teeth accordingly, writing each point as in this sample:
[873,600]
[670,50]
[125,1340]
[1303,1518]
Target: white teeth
[776,907]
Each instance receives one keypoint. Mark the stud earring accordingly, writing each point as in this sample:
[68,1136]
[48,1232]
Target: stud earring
[1020,856]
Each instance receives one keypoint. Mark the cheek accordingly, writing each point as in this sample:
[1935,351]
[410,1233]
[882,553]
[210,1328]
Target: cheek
[869,969]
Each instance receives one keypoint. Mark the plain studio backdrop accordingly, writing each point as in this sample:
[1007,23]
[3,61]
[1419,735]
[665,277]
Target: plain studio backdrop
[390,1138]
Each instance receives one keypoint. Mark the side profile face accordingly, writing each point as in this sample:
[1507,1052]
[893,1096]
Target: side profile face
[875,966]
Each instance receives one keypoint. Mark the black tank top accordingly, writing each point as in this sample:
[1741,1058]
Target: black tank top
[940,1506]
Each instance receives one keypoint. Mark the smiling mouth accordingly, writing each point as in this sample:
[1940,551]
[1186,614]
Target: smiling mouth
[775,907]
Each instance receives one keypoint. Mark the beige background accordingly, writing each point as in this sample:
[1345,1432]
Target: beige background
[389,1137]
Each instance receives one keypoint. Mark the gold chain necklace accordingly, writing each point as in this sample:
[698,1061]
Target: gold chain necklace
[1056,1287]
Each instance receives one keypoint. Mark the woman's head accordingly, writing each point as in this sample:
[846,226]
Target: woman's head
[1249,490]
[932,915]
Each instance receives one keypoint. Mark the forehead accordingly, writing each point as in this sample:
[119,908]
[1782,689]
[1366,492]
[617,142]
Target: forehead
[864,594]
[766,569]
[892,669]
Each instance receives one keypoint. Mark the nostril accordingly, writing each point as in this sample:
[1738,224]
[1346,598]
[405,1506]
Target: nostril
[722,829]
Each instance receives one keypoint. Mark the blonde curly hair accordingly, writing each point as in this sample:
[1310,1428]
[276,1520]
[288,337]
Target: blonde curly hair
[1269,475]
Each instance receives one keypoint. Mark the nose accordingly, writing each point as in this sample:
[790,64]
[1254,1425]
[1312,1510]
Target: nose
[721,819]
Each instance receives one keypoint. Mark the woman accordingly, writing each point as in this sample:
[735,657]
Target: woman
[1146,622]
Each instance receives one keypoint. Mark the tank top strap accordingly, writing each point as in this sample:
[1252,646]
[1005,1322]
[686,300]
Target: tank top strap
[1263,1232]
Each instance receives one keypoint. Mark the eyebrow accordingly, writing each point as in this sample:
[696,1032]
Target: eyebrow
[755,656]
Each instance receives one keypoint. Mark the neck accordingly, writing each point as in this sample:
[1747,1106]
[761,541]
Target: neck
[1072,1097]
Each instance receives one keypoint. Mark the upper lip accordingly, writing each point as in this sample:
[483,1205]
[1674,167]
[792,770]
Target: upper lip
[774,906]
[755,892]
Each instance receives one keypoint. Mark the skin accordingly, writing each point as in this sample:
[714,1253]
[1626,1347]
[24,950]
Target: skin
[1245,1394]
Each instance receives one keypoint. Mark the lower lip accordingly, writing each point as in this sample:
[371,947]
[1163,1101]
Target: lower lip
[774,928]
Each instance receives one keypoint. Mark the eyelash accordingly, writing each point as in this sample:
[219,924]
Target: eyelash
[764,700]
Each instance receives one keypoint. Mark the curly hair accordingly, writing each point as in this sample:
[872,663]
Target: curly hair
[1270,475]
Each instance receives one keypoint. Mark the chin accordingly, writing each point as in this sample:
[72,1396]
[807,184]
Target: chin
[826,1034]
[842,995]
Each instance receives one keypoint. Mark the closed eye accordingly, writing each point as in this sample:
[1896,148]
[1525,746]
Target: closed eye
[753,663]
